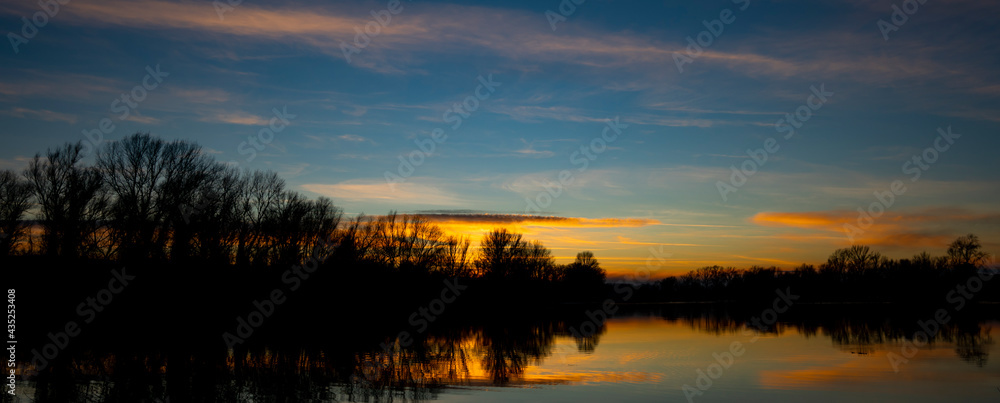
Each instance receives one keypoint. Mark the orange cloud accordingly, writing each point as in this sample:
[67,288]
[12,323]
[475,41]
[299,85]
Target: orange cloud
[934,227]
[535,220]
[238,117]
[828,220]
[549,229]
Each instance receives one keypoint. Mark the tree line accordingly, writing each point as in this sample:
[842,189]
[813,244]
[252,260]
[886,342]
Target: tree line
[149,200]
[146,199]
[855,273]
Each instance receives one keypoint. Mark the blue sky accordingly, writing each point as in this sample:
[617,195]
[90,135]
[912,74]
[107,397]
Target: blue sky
[654,186]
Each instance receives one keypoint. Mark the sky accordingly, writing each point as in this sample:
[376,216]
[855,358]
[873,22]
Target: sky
[659,135]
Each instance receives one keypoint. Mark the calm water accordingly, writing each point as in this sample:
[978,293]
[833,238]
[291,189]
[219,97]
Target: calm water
[645,356]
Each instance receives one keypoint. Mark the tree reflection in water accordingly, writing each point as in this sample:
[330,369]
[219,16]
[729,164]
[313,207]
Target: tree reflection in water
[469,356]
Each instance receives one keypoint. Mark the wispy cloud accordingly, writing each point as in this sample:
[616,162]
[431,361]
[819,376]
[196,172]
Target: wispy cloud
[408,192]
[41,114]
[464,29]
[630,241]
[238,118]
[535,114]
[542,221]
[357,111]
[64,86]
[149,120]
[201,96]
[530,151]
[354,138]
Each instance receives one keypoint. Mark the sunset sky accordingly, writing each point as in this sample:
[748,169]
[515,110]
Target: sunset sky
[226,71]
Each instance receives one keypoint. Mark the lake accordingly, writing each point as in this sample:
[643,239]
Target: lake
[658,353]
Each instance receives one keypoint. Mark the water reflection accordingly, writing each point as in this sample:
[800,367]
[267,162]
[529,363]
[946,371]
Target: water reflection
[469,357]
[858,329]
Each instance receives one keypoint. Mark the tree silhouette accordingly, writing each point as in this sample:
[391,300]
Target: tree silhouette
[539,263]
[457,261]
[70,200]
[260,209]
[853,262]
[966,251]
[15,199]
[404,243]
[185,169]
[584,277]
[214,218]
[499,251]
[149,179]
[712,277]
[585,269]
[149,200]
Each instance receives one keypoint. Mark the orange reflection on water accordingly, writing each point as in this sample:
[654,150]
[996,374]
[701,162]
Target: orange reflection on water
[833,359]
[887,363]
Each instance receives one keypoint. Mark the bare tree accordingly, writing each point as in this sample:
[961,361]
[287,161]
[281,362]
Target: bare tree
[213,219]
[714,277]
[259,205]
[456,257]
[288,228]
[539,262]
[185,170]
[354,242]
[321,224]
[423,244]
[132,167]
[69,198]
[404,241]
[15,199]
[499,253]
[924,262]
[858,260]
[967,251]
[149,179]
